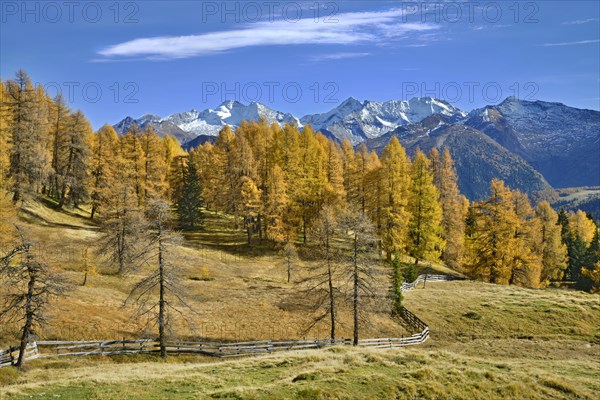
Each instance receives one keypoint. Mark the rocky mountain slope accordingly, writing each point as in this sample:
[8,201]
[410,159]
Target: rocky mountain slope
[561,142]
[477,157]
[162,127]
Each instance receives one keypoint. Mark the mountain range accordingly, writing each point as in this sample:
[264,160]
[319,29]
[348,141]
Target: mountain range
[532,145]
[477,157]
[563,143]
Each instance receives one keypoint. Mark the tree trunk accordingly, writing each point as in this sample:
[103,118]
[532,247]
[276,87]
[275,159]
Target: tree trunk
[330,284]
[355,295]
[121,249]
[29,311]
[16,196]
[236,222]
[304,229]
[259,226]
[161,301]
[63,194]
[265,227]
[69,169]
[55,148]
[331,302]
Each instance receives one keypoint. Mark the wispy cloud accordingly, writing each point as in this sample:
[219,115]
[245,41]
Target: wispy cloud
[337,56]
[490,27]
[571,43]
[580,21]
[350,28]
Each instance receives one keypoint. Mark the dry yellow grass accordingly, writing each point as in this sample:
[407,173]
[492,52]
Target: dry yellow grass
[487,341]
[238,293]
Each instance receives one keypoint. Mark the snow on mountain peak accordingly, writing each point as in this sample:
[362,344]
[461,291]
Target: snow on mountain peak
[230,112]
[351,119]
[358,121]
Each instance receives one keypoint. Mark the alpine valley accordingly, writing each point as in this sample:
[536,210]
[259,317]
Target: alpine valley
[534,146]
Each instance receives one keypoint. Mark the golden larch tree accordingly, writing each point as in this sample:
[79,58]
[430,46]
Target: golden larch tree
[425,229]
[453,209]
[554,252]
[395,176]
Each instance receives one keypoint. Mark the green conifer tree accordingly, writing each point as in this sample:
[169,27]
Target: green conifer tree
[190,203]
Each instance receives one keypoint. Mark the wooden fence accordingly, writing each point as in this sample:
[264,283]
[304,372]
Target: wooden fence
[406,287]
[56,348]
[10,355]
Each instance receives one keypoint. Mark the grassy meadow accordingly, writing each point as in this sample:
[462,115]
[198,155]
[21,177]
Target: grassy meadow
[487,341]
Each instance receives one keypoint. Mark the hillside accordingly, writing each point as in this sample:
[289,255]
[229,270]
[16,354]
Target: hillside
[487,341]
[583,198]
[237,292]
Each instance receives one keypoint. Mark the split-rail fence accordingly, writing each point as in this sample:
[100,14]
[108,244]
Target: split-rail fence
[59,348]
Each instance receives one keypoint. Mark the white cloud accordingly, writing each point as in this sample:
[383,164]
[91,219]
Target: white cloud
[350,28]
[337,56]
[571,43]
[490,27]
[580,21]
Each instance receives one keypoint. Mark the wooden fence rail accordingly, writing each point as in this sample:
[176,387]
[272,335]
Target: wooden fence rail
[63,348]
[11,355]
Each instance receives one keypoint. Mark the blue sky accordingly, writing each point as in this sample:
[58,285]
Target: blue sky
[113,59]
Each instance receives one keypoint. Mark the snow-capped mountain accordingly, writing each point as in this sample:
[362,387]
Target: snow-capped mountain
[232,113]
[162,127]
[561,142]
[209,122]
[358,121]
[352,119]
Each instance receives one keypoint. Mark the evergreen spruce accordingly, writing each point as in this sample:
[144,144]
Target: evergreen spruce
[190,202]
[397,280]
